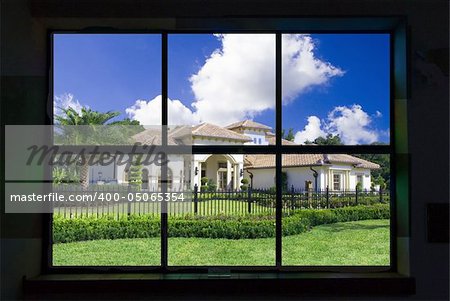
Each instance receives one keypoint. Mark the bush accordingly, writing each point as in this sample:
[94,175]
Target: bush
[204,181]
[90,228]
[219,226]
[211,187]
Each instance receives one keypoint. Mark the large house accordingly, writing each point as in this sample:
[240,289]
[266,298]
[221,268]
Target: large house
[303,171]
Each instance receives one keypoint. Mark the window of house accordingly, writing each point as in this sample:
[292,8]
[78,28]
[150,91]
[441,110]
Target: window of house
[222,165]
[336,181]
[359,179]
[325,96]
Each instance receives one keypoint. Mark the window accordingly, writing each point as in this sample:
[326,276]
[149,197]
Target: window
[220,83]
[336,182]
[222,165]
[359,180]
[328,129]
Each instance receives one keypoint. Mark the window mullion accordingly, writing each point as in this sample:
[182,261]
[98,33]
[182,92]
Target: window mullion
[278,162]
[164,118]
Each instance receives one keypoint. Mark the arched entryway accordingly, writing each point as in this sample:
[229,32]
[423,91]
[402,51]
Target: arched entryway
[222,170]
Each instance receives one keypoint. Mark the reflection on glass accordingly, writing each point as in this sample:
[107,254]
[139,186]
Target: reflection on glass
[336,88]
[232,219]
[224,86]
[106,89]
[336,210]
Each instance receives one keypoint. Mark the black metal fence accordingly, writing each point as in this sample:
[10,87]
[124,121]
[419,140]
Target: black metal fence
[228,202]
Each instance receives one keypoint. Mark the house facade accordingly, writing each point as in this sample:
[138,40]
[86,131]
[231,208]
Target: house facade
[303,171]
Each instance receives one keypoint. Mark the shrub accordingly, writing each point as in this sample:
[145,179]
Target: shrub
[218,226]
[135,173]
[204,180]
[359,186]
[211,187]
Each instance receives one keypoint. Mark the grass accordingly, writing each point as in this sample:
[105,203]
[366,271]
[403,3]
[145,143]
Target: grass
[350,243]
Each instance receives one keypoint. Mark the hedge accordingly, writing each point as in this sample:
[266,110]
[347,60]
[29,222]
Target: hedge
[231,227]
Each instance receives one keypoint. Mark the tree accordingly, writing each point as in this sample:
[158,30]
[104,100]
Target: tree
[211,187]
[244,183]
[70,117]
[125,128]
[204,183]
[330,139]
[135,177]
[382,175]
[290,136]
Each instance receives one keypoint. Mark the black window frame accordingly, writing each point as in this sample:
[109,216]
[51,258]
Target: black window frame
[396,27]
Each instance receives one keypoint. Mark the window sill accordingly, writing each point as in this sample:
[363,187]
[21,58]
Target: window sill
[266,284]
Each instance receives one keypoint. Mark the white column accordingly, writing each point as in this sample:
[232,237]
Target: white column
[239,177]
[228,173]
[347,180]
[330,179]
[236,176]
[199,175]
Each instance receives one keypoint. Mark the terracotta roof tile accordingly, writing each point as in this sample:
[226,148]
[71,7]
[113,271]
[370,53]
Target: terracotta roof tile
[272,141]
[297,160]
[208,130]
[248,124]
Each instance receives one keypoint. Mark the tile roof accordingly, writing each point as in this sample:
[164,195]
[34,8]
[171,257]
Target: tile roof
[152,136]
[208,130]
[298,160]
[248,124]
[272,141]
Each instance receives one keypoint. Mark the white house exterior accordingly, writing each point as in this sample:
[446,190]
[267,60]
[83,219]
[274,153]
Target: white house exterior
[311,171]
[337,172]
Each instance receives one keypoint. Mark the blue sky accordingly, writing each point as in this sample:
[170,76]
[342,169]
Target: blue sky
[107,71]
[220,79]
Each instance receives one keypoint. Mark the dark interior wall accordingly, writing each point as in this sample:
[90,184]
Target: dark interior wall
[24,88]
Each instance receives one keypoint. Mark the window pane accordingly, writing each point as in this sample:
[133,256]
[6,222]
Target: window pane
[336,209]
[224,86]
[105,79]
[336,88]
[232,216]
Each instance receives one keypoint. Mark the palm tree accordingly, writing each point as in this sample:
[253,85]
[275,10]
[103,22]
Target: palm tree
[70,117]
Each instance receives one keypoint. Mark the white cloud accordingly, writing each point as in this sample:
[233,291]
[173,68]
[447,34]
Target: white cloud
[64,101]
[149,112]
[311,131]
[237,81]
[301,68]
[351,123]
[378,114]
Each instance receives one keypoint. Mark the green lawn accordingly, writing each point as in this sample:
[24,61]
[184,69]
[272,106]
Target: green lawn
[351,243]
